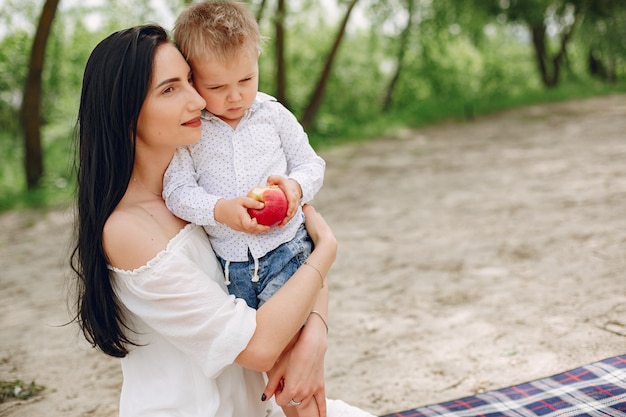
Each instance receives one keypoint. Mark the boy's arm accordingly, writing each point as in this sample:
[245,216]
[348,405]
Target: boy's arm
[189,201]
[303,164]
[183,196]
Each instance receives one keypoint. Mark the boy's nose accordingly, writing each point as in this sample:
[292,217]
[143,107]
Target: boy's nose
[234,94]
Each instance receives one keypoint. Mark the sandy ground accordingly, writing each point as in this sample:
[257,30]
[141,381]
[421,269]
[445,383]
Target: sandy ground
[472,256]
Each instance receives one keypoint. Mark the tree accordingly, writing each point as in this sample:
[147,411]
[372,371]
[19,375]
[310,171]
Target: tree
[318,92]
[281,71]
[13,63]
[31,104]
[604,35]
[260,10]
[561,15]
[402,47]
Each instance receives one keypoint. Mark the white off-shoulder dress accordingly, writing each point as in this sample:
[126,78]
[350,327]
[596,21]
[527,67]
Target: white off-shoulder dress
[189,332]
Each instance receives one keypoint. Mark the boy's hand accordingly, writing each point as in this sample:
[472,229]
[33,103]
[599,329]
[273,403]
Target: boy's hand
[234,214]
[292,191]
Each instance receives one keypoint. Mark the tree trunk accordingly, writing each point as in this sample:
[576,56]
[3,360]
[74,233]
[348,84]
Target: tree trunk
[550,68]
[561,55]
[259,12]
[539,43]
[281,73]
[404,40]
[318,92]
[596,68]
[31,104]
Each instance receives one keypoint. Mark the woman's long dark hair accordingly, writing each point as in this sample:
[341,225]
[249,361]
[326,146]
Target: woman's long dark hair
[117,76]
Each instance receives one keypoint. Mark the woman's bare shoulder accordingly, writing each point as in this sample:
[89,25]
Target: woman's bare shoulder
[132,236]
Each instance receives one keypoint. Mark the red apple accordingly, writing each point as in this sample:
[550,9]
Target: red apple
[275,202]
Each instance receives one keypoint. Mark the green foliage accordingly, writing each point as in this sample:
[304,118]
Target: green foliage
[602,38]
[13,63]
[346,88]
[19,390]
[464,58]
[57,185]
[434,111]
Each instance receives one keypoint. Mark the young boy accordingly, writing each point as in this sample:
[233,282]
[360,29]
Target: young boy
[248,139]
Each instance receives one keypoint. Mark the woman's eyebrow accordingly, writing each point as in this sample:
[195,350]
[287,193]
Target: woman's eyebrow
[167,81]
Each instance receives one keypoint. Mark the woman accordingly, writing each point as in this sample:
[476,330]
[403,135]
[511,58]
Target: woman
[150,290]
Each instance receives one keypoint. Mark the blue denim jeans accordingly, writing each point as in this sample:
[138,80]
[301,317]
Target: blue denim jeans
[273,270]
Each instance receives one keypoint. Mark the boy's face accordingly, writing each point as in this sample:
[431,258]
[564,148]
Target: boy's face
[229,89]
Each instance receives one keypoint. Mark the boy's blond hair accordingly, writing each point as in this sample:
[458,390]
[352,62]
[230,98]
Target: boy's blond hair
[217,29]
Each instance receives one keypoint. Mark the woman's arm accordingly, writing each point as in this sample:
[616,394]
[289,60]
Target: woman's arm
[282,316]
[303,366]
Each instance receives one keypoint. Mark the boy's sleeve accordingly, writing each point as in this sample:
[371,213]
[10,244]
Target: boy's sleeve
[183,196]
[303,164]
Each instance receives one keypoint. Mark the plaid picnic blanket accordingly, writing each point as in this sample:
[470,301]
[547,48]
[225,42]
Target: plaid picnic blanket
[596,390]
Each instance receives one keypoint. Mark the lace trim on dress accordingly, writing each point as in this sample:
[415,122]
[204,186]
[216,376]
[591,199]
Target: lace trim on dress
[173,242]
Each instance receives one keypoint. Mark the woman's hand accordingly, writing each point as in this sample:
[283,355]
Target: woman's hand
[281,317]
[299,373]
[319,231]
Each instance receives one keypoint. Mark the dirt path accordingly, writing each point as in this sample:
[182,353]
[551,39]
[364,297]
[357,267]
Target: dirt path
[472,256]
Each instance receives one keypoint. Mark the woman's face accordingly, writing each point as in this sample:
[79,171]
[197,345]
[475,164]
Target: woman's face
[170,114]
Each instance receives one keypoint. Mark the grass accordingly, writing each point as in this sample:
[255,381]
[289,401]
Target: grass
[434,111]
[18,390]
[57,185]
